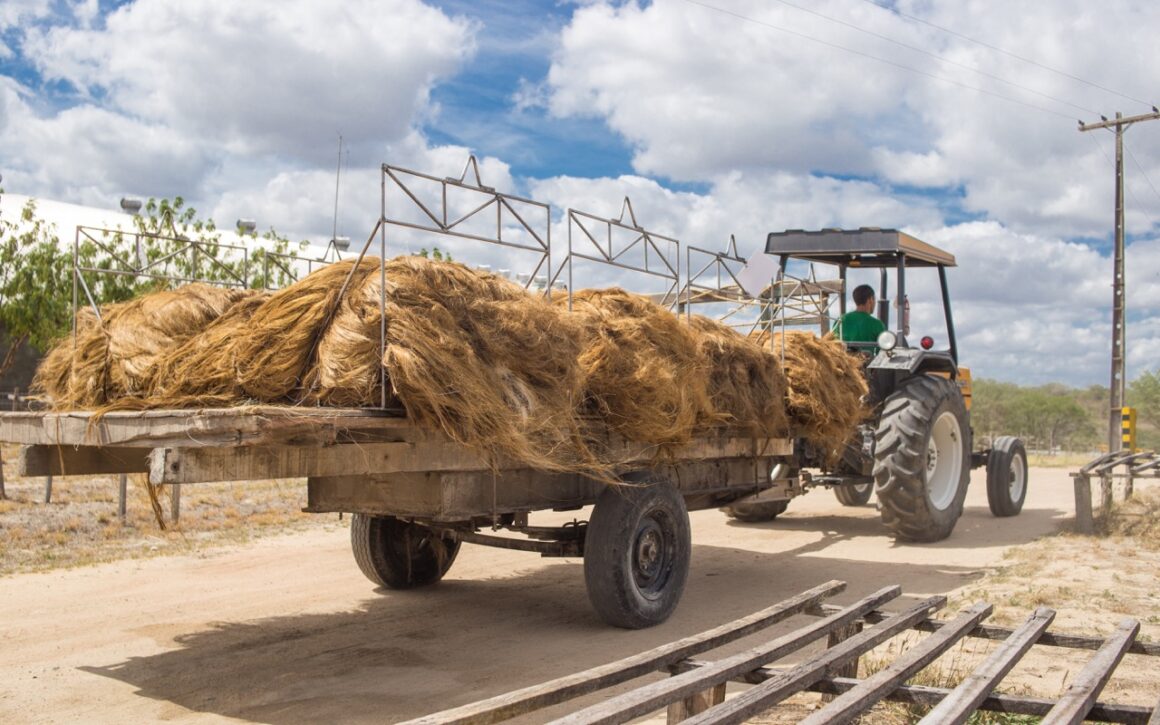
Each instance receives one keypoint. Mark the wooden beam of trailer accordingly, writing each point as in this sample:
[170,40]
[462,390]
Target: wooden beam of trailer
[255,463]
[242,426]
[529,699]
[81,460]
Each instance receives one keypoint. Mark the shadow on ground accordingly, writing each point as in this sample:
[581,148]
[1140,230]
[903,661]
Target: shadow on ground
[405,654]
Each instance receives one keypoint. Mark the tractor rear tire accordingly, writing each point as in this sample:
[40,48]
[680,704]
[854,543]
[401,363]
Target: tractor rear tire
[399,554]
[1007,476]
[636,553]
[922,454]
[755,512]
[854,494]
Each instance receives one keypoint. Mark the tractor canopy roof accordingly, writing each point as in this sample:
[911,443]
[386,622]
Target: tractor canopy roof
[865,247]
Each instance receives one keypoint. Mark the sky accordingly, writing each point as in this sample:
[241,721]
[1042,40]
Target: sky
[955,121]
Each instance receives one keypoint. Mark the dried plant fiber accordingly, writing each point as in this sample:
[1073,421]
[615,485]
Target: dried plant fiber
[514,376]
[644,374]
[826,387]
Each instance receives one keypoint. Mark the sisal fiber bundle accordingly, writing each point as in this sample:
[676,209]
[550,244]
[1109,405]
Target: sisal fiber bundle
[468,352]
[274,354]
[644,376]
[117,356]
[747,386]
[202,372]
[826,387]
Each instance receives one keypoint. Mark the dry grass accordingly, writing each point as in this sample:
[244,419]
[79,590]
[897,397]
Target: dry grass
[81,525]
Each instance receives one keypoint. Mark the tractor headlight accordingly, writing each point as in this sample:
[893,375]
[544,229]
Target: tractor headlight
[887,341]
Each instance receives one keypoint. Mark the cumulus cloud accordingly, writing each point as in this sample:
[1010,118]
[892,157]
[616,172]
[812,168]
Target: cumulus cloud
[699,91]
[195,98]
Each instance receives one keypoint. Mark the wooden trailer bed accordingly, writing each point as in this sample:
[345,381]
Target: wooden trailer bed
[417,495]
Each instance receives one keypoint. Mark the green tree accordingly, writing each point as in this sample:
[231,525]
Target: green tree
[168,245]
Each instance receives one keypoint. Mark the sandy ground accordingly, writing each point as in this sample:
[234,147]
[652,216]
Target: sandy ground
[287,629]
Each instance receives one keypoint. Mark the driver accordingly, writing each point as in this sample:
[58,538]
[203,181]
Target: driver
[860,324]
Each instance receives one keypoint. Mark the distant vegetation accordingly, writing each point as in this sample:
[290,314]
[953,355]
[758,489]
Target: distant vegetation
[1055,416]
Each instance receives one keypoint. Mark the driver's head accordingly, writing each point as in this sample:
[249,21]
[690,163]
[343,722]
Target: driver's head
[864,298]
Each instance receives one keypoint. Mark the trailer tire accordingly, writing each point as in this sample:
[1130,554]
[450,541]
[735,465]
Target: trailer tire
[755,512]
[636,553]
[1007,476]
[400,554]
[854,494]
[922,456]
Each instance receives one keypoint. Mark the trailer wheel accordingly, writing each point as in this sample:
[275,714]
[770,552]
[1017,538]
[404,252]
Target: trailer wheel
[922,456]
[636,553]
[400,554]
[755,512]
[1007,476]
[854,494]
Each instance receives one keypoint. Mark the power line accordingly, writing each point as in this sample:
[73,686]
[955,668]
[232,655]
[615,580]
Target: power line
[1145,175]
[997,49]
[936,56]
[901,66]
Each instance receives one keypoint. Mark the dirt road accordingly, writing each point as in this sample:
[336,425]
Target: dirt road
[288,630]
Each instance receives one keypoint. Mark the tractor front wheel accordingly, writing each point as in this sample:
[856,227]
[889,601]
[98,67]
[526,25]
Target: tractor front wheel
[922,457]
[854,494]
[1007,476]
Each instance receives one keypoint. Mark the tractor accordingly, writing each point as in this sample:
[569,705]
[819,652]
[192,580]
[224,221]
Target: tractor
[915,451]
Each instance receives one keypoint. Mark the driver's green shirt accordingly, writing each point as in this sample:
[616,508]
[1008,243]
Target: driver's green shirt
[858,326]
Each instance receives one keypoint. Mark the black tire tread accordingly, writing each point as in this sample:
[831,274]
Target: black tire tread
[900,458]
[1003,450]
[368,542]
[850,495]
[607,571]
[756,512]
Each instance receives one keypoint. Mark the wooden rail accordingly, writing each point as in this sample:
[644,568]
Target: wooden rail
[696,691]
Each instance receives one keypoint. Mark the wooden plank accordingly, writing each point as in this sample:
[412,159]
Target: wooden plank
[1083,504]
[568,687]
[931,696]
[1154,719]
[696,704]
[1082,693]
[998,702]
[837,637]
[861,698]
[453,496]
[966,698]
[761,697]
[660,694]
[251,425]
[83,460]
[256,463]
[986,631]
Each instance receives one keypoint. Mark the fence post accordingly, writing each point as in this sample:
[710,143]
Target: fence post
[48,488]
[1083,503]
[3,493]
[124,486]
[175,502]
[16,399]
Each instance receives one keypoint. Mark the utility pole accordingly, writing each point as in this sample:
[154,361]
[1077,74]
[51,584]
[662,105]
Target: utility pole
[1116,389]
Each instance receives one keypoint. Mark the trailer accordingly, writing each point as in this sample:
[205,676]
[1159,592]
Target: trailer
[416,495]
